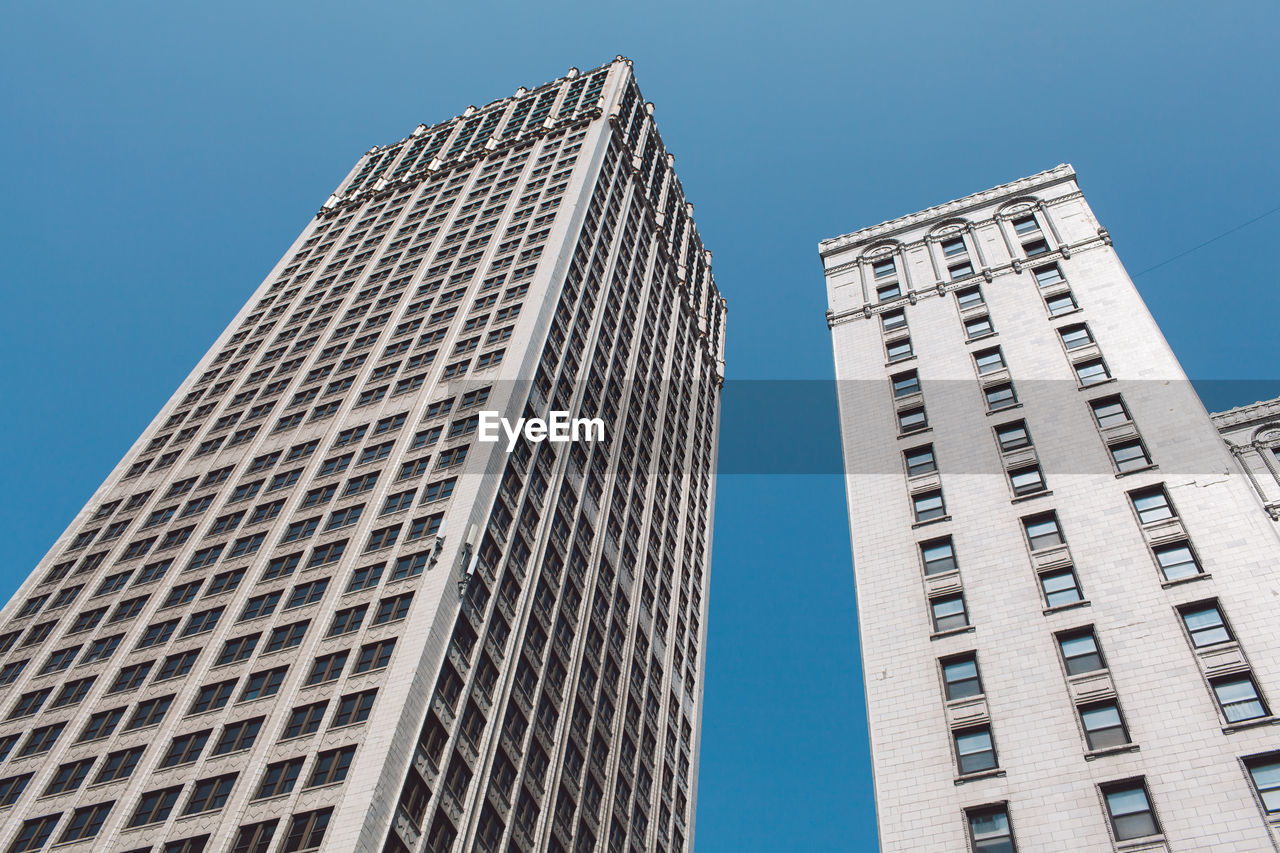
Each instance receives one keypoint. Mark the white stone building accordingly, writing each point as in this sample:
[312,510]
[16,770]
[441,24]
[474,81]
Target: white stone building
[310,610]
[1252,434]
[1068,599]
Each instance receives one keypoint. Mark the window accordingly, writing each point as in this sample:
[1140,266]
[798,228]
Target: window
[157,634]
[224,582]
[888,291]
[304,720]
[149,713]
[237,649]
[989,830]
[1000,396]
[155,806]
[366,577]
[969,297]
[426,526]
[1047,275]
[346,517]
[938,556]
[322,555]
[899,350]
[1109,412]
[1080,652]
[210,794]
[1264,770]
[331,766]
[912,420]
[978,327]
[185,748]
[1129,456]
[348,620]
[1205,624]
[326,668]
[300,530]
[306,831]
[1060,588]
[307,593]
[1130,809]
[1091,372]
[1025,224]
[255,837]
[11,789]
[383,538]
[948,613]
[884,268]
[905,384]
[205,620]
[1177,561]
[1075,336]
[374,656]
[213,696]
[1059,304]
[397,502]
[1103,725]
[281,566]
[391,609]
[1239,698]
[894,320]
[963,269]
[101,725]
[263,684]
[975,751]
[68,777]
[286,637]
[1043,532]
[920,460]
[279,778]
[196,844]
[1013,436]
[1027,481]
[260,605]
[34,833]
[353,708]
[1152,505]
[960,677]
[238,736]
[119,765]
[928,505]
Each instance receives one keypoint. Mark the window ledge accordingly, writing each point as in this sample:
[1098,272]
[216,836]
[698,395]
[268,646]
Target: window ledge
[913,433]
[974,777]
[926,523]
[1064,607]
[1150,467]
[893,364]
[982,337]
[1097,384]
[1003,409]
[1146,842]
[1094,754]
[953,632]
[1203,576]
[1245,725]
[1043,493]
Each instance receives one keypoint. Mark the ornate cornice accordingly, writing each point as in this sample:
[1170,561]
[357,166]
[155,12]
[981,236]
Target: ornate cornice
[1048,178]
[1262,410]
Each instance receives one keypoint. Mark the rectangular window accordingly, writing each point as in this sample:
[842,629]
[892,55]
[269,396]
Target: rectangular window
[1092,372]
[1080,652]
[1205,624]
[155,806]
[238,736]
[1177,561]
[964,269]
[905,384]
[353,708]
[1109,412]
[1129,456]
[1000,396]
[1060,588]
[948,613]
[969,297]
[975,751]
[920,460]
[1062,303]
[1048,275]
[119,765]
[884,269]
[1075,336]
[928,505]
[899,350]
[1013,436]
[1103,725]
[1264,770]
[960,677]
[989,830]
[1130,810]
[1239,698]
[306,831]
[1152,505]
[894,320]
[978,327]
[1043,532]
[331,766]
[912,420]
[279,778]
[938,556]
[304,721]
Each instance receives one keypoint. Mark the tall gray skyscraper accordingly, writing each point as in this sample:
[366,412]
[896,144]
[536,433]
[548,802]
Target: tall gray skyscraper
[1067,590]
[315,609]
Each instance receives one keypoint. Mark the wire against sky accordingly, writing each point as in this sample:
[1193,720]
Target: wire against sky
[1200,246]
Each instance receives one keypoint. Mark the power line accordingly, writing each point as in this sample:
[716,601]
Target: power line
[1207,242]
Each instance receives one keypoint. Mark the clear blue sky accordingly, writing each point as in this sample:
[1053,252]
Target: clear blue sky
[160,157]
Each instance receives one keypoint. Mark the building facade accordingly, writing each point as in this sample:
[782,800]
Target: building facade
[1252,434]
[312,609]
[1067,595]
